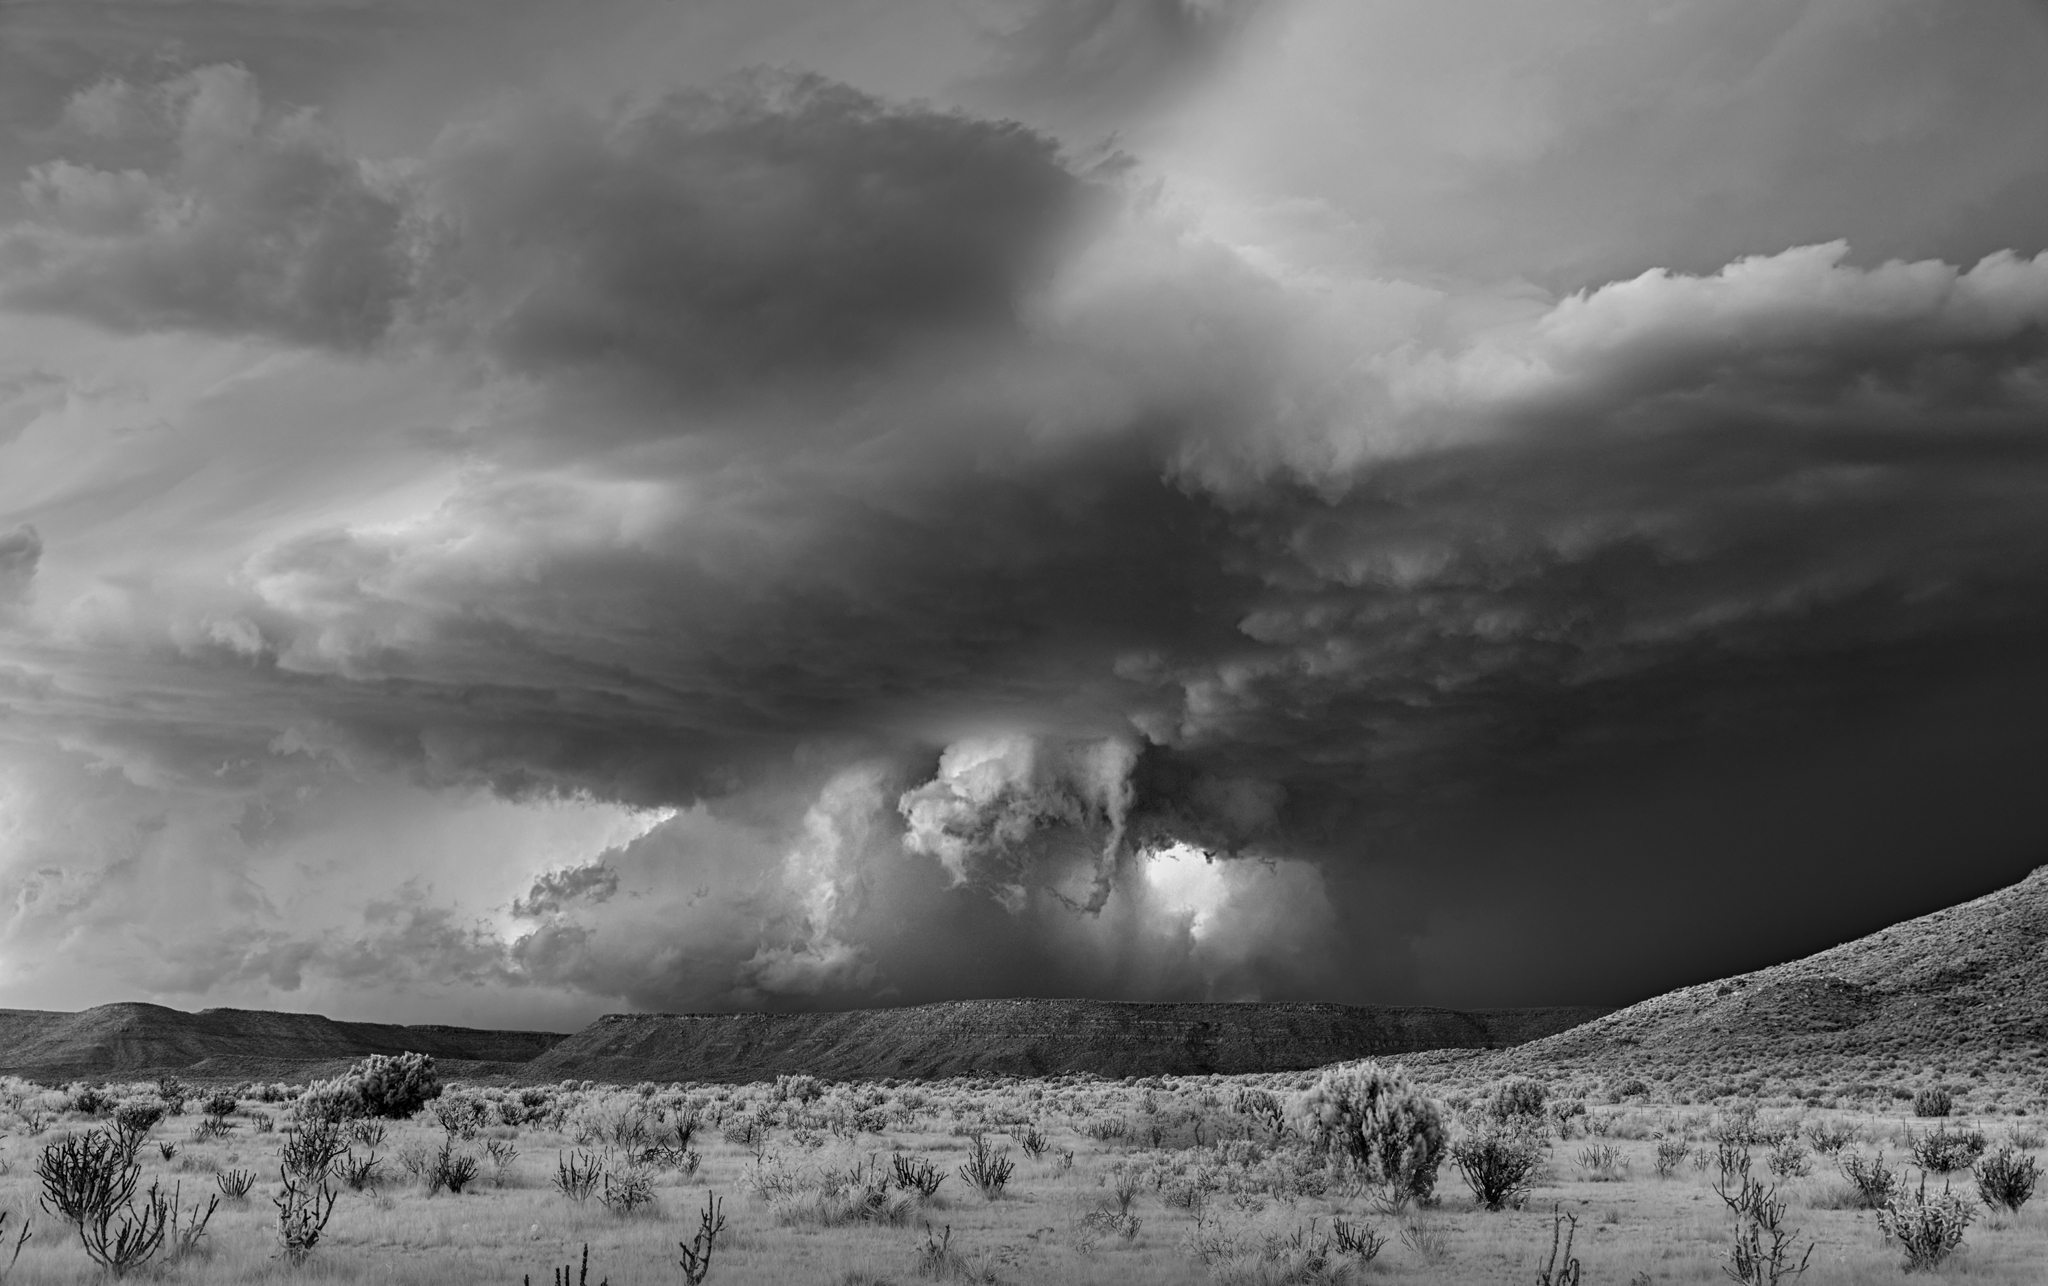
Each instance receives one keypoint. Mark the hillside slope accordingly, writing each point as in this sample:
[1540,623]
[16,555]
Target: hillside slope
[1023,1038]
[1964,989]
[133,1039]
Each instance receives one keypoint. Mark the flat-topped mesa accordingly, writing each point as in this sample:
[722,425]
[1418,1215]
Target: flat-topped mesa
[1025,1037]
[134,1039]
[955,1038]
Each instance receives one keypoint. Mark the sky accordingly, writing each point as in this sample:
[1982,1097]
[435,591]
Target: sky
[513,511]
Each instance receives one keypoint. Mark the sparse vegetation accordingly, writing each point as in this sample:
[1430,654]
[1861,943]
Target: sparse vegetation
[1219,1196]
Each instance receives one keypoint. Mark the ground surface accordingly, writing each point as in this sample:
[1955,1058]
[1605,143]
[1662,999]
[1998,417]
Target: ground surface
[1633,1227]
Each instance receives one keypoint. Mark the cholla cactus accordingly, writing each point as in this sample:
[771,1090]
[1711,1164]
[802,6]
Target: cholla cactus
[1378,1119]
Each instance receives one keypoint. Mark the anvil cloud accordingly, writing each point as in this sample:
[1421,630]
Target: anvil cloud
[806,505]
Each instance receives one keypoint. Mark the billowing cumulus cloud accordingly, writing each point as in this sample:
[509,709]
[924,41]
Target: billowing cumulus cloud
[783,539]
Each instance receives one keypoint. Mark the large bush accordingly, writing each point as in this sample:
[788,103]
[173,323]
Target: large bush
[380,1085]
[1378,1119]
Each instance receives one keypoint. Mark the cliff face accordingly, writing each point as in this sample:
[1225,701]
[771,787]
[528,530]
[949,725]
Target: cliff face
[1024,1038]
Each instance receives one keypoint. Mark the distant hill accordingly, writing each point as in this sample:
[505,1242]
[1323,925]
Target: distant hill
[1964,989]
[133,1039]
[1025,1038]
[1018,1037]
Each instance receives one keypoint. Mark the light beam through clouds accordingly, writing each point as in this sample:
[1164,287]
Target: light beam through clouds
[896,501]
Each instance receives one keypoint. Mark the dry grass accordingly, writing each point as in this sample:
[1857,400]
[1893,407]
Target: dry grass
[1203,1212]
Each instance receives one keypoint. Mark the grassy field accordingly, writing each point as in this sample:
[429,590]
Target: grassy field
[1167,1180]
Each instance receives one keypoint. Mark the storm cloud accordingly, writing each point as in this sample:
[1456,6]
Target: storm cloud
[813,537]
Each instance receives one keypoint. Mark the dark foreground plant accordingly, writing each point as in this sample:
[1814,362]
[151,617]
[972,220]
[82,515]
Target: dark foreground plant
[1567,1273]
[1498,1164]
[20,1240]
[696,1261]
[562,1277]
[1761,1251]
[577,1174]
[2007,1177]
[84,1174]
[987,1169]
[303,1209]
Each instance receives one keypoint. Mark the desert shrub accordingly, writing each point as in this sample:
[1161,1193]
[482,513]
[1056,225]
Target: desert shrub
[1789,1158]
[235,1184]
[89,1099]
[625,1189]
[577,1174]
[916,1174]
[1945,1151]
[450,1169]
[1933,1101]
[219,1105]
[799,1088]
[84,1175]
[122,1239]
[463,1114]
[311,1151]
[696,1261]
[1633,1087]
[1565,1114]
[382,1085]
[1873,1181]
[358,1172]
[1357,1239]
[2029,1137]
[1602,1163]
[303,1209]
[2006,1177]
[1671,1154]
[173,1093]
[1830,1137]
[987,1169]
[133,1120]
[1760,1253]
[1377,1119]
[367,1131]
[1517,1096]
[1928,1229]
[1499,1164]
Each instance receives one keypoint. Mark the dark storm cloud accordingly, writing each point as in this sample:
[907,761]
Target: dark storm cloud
[999,578]
[715,242]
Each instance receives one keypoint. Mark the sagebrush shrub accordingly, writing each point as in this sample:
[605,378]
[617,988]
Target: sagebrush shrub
[1375,1117]
[1517,1096]
[1933,1101]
